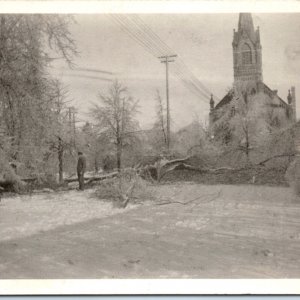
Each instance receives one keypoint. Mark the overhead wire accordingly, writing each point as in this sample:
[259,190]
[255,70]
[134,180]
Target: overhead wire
[180,62]
[158,40]
[188,82]
[146,37]
[133,35]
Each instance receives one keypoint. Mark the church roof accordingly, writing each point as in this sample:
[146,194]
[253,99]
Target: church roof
[229,96]
[269,91]
[225,100]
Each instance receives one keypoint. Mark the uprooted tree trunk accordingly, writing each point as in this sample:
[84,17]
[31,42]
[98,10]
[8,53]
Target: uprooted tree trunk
[162,167]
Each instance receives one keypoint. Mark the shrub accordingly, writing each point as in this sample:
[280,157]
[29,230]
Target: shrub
[10,181]
[293,175]
[128,186]
[45,180]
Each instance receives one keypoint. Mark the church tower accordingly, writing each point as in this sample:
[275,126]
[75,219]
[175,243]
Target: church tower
[248,80]
[247,63]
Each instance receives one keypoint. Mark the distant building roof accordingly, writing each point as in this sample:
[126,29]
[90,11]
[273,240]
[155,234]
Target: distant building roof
[225,100]
[229,96]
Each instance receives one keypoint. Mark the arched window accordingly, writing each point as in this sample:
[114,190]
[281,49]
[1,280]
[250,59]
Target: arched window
[246,55]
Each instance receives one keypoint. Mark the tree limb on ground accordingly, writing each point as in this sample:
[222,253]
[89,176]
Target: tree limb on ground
[94,178]
[128,194]
[156,171]
[206,170]
[166,167]
[5,184]
[276,156]
[216,196]
[162,166]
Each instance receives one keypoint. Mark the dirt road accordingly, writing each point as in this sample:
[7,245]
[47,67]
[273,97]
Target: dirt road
[221,232]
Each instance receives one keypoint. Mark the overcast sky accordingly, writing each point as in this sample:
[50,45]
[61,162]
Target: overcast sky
[202,41]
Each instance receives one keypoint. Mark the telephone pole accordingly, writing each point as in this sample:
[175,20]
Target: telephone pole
[72,125]
[166,60]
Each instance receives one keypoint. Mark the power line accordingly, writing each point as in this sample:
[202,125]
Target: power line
[125,29]
[137,34]
[153,44]
[157,39]
[163,48]
[151,35]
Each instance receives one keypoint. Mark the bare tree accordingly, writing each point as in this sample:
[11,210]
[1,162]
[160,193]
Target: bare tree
[27,46]
[242,125]
[97,145]
[60,140]
[116,117]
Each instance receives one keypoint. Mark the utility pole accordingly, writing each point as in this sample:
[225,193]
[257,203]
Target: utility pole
[166,60]
[72,125]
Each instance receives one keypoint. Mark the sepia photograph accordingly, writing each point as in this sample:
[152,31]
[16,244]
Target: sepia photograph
[149,146]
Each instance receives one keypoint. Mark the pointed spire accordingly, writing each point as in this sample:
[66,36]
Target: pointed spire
[212,103]
[289,98]
[246,25]
[245,21]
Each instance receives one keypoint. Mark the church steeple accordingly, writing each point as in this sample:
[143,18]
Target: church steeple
[246,46]
[246,25]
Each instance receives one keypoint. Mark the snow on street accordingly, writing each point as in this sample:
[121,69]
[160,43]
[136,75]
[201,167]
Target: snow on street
[29,214]
[188,231]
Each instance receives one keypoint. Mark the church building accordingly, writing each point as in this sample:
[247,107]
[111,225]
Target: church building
[248,73]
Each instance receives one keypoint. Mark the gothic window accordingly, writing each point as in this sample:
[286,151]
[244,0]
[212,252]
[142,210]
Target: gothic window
[246,55]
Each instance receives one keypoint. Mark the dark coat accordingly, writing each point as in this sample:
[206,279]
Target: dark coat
[81,164]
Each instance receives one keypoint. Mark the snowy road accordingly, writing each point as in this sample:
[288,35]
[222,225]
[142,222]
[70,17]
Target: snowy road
[30,214]
[222,232]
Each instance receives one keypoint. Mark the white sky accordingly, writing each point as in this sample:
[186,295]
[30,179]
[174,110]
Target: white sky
[203,41]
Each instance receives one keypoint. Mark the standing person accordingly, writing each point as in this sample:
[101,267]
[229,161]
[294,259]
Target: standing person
[81,166]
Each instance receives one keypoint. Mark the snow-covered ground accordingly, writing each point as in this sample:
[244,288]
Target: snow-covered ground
[186,231]
[29,214]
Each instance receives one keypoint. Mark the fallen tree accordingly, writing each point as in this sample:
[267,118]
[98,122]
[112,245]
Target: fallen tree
[262,163]
[93,178]
[154,172]
[126,186]
[162,167]
[12,185]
